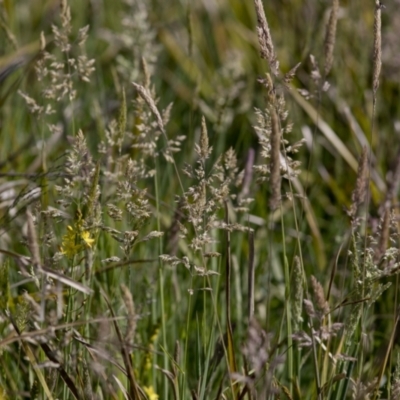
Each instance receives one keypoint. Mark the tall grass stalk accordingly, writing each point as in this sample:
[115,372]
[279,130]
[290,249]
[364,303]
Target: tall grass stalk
[161,283]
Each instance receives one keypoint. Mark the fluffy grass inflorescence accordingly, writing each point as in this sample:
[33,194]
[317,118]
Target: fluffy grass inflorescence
[167,232]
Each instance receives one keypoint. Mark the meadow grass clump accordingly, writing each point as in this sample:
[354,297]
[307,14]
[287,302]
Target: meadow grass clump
[168,231]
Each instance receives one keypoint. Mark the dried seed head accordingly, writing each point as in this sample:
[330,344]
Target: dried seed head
[264,38]
[130,307]
[384,230]
[22,314]
[204,146]
[82,35]
[297,295]
[330,37]
[360,190]
[146,96]
[65,14]
[309,307]
[319,296]
[257,346]
[42,41]
[291,74]
[275,165]
[315,72]
[377,61]
[146,73]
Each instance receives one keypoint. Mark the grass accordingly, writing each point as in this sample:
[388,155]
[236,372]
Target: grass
[198,200]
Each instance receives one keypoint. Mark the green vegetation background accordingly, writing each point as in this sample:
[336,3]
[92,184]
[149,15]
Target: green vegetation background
[204,58]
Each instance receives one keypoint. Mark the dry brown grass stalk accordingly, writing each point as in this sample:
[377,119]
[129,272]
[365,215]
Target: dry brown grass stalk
[330,37]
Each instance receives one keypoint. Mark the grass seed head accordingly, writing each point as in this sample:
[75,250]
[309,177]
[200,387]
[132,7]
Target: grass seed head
[330,37]
[377,58]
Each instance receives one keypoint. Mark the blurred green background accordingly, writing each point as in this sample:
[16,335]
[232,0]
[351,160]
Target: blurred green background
[203,57]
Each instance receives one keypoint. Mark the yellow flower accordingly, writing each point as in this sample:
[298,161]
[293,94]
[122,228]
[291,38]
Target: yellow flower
[70,245]
[150,393]
[75,240]
[85,236]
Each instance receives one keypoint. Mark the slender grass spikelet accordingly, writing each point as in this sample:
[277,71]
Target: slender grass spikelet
[146,96]
[377,58]
[330,37]
[121,121]
[267,50]
[275,142]
[297,294]
[22,315]
[130,307]
[275,178]
[204,148]
[384,233]
[319,296]
[93,194]
[360,190]
[65,14]
[288,77]
[146,72]
[32,240]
